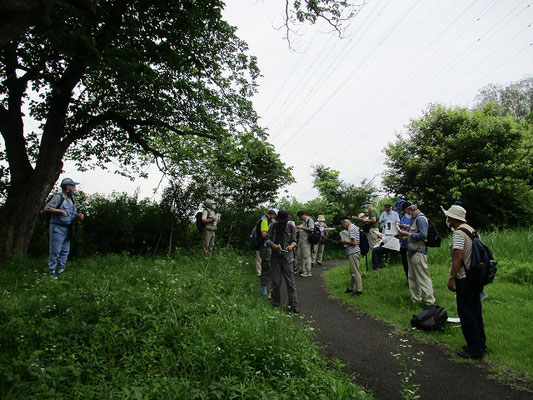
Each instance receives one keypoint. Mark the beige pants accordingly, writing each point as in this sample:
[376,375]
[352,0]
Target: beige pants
[304,256]
[355,274]
[258,262]
[419,279]
[318,252]
[372,237]
[208,239]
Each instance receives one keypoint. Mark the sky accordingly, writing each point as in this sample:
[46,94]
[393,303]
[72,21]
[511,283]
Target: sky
[340,101]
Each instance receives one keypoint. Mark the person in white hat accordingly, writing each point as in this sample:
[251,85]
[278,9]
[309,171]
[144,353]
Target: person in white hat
[318,249]
[63,214]
[467,294]
[210,220]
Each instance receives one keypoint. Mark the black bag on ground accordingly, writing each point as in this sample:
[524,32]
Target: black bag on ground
[483,266]
[364,246]
[431,318]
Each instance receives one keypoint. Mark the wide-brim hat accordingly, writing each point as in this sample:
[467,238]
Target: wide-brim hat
[321,218]
[455,212]
[283,216]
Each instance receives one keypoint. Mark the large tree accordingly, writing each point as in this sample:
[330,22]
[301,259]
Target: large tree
[129,82]
[479,157]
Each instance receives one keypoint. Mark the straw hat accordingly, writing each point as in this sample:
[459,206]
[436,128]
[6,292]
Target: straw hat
[321,218]
[455,212]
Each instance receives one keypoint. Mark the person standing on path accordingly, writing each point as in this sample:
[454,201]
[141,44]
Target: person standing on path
[371,224]
[210,220]
[63,215]
[417,257]
[281,237]
[318,249]
[467,294]
[405,224]
[265,251]
[354,255]
[304,246]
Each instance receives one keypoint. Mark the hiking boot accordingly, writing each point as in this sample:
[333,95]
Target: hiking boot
[60,271]
[348,290]
[294,309]
[470,355]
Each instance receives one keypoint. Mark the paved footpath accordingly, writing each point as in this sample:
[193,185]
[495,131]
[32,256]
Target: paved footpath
[364,345]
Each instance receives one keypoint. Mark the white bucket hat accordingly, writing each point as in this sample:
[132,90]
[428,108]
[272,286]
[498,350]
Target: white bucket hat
[455,212]
[321,218]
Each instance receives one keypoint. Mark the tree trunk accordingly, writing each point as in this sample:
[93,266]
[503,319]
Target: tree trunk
[23,205]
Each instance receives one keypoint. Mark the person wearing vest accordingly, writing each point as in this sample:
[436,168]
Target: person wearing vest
[209,219]
[304,247]
[265,252]
[281,237]
[63,215]
[353,251]
[467,295]
[420,283]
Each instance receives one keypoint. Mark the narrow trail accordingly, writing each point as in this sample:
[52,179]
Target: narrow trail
[364,345]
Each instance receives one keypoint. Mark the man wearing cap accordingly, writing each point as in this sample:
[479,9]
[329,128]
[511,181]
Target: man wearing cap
[417,257]
[210,220]
[281,237]
[467,294]
[63,215]
[265,251]
[318,249]
[371,223]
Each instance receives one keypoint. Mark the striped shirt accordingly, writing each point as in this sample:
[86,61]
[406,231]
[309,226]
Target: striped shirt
[353,232]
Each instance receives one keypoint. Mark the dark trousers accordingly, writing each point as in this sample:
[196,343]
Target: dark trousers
[377,252]
[280,266]
[469,310]
[403,253]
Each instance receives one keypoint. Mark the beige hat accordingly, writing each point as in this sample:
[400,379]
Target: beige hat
[455,212]
[321,218]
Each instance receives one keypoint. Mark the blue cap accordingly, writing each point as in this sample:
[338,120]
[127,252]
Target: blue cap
[68,181]
[398,204]
[367,203]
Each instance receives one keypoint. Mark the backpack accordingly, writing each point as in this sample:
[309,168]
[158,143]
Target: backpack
[364,246]
[49,215]
[433,238]
[431,318]
[199,223]
[322,234]
[255,236]
[314,237]
[483,268]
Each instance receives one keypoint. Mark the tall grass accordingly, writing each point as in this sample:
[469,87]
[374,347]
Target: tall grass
[507,311]
[119,327]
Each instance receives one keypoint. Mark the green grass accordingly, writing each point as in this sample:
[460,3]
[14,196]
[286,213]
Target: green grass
[119,327]
[507,311]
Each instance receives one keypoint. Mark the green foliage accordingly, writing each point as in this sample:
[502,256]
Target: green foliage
[130,328]
[478,157]
[506,311]
[515,99]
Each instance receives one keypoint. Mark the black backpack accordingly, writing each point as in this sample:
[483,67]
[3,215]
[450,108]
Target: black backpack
[314,237]
[483,266]
[433,238]
[364,246]
[199,223]
[255,236]
[49,215]
[431,318]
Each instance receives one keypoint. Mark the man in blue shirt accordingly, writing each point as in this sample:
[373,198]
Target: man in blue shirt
[420,283]
[63,215]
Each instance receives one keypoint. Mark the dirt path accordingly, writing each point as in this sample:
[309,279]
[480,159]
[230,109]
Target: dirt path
[364,345]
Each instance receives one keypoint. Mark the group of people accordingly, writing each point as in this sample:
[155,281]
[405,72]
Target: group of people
[403,229]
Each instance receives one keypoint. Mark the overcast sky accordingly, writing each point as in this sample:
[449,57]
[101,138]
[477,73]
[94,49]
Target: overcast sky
[339,102]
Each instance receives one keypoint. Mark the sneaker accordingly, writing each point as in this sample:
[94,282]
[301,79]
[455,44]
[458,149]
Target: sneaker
[53,275]
[60,271]
[469,355]
[348,290]
[465,349]
[294,309]
[319,264]
[306,275]
[263,290]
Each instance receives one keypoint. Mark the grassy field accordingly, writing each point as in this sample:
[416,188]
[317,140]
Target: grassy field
[118,327]
[507,311]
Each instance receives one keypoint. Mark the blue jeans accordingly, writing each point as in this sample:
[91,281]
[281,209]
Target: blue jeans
[469,310]
[59,247]
[377,252]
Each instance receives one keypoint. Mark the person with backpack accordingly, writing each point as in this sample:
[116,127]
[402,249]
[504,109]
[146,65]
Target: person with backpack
[304,246]
[318,249]
[354,255]
[265,251]
[420,283]
[281,238]
[468,294]
[63,214]
[209,221]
